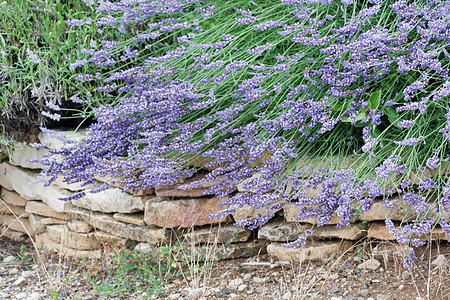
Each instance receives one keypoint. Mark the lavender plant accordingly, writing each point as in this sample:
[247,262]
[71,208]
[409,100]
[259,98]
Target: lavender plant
[261,90]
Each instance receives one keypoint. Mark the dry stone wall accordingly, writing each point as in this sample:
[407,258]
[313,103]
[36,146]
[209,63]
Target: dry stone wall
[166,215]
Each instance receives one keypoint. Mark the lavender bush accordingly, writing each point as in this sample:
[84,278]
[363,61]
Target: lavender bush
[261,89]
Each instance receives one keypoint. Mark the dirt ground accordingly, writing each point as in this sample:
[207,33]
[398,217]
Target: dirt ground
[48,276]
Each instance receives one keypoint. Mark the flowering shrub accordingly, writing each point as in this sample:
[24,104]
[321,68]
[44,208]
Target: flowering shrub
[261,89]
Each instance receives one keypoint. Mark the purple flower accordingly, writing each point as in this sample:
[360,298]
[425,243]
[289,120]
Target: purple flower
[33,57]
[433,162]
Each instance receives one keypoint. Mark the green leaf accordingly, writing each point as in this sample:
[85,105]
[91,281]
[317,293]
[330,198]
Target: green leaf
[392,115]
[374,100]
[359,117]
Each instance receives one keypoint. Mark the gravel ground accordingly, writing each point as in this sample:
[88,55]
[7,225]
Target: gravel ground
[356,275]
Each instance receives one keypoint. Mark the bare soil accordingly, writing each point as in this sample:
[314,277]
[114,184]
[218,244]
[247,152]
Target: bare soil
[48,276]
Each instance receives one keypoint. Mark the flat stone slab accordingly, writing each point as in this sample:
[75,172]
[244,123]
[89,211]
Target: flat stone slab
[111,200]
[19,180]
[291,212]
[56,139]
[136,219]
[74,187]
[215,234]
[105,222]
[400,211]
[79,241]
[13,198]
[17,224]
[221,251]
[178,192]
[21,155]
[246,211]
[9,209]
[42,209]
[322,251]
[79,226]
[283,232]
[183,213]
[44,242]
[13,235]
[111,240]
[39,224]
[379,231]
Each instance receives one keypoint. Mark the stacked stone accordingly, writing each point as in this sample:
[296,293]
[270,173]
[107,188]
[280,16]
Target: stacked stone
[167,215]
[112,218]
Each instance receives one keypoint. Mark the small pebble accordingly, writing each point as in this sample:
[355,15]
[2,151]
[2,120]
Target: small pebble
[371,264]
[381,297]
[334,289]
[363,292]
[242,287]
[406,275]
[440,261]
[235,283]
[22,295]
[19,281]
[9,259]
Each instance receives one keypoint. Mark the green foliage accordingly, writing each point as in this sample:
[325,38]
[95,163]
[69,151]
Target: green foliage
[133,271]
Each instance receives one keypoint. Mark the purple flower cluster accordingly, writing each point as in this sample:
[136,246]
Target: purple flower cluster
[258,93]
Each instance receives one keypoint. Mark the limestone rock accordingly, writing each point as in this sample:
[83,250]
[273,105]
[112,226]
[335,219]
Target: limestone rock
[390,249]
[313,251]
[104,222]
[17,224]
[350,232]
[371,264]
[136,219]
[43,241]
[245,212]
[221,251]
[291,212]
[36,224]
[80,241]
[238,250]
[74,187]
[183,213]
[283,232]
[9,209]
[79,226]
[39,224]
[379,231]
[215,234]
[440,261]
[198,161]
[42,209]
[21,155]
[144,247]
[241,187]
[177,191]
[110,200]
[400,211]
[16,179]
[140,193]
[105,238]
[13,198]
[13,235]
[59,137]
[311,192]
